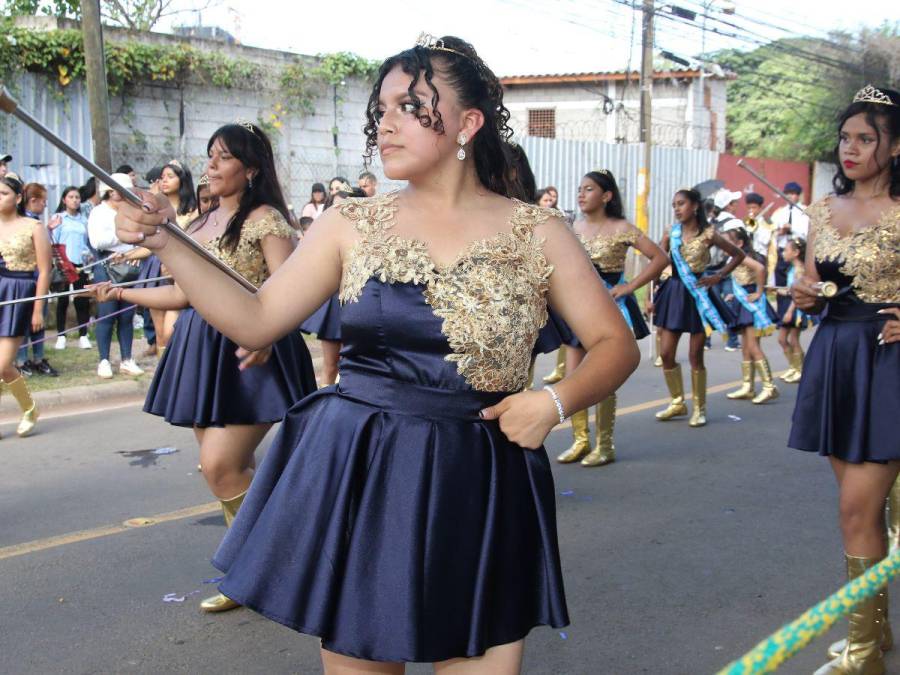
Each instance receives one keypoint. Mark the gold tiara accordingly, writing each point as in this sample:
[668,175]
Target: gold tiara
[870,94]
[344,187]
[204,180]
[603,172]
[429,41]
[247,125]
[175,162]
[14,176]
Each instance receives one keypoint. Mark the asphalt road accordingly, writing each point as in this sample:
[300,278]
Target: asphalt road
[686,552]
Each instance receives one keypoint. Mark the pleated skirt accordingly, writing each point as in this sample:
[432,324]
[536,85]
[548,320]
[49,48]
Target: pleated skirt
[675,309]
[325,322]
[16,319]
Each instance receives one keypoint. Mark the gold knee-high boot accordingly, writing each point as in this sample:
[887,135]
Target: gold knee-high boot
[581,433]
[862,653]
[769,391]
[605,450]
[748,388]
[698,394]
[675,384]
[796,367]
[219,602]
[789,355]
[560,371]
[19,389]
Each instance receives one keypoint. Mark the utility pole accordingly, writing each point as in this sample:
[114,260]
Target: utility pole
[95,76]
[643,197]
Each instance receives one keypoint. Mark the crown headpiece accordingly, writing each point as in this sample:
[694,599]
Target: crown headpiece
[870,94]
[175,162]
[344,187]
[247,125]
[429,41]
[204,180]
[603,172]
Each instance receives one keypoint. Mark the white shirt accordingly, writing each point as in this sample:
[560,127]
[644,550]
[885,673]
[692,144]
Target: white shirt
[102,230]
[312,210]
[798,220]
[761,238]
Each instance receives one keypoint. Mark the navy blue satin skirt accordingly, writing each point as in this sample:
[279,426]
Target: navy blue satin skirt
[197,382]
[325,322]
[849,397]
[675,309]
[784,303]
[393,523]
[16,319]
[150,269]
[742,316]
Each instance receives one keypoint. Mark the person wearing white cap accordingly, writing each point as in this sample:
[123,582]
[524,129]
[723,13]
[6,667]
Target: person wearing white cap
[5,159]
[102,235]
[725,201]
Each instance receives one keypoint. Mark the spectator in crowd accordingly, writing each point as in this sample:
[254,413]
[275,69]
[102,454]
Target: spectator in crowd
[554,193]
[89,198]
[33,205]
[368,183]
[69,228]
[205,199]
[545,198]
[102,235]
[316,204]
[152,178]
[5,159]
[129,171]
[335,184]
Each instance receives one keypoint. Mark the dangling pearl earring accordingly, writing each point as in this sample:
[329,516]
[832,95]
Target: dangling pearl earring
[462,139]
[250,183]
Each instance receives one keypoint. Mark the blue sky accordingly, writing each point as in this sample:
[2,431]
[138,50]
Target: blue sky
[530,36]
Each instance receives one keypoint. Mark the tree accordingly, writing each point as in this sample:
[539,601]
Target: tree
[133,14]
[787,93]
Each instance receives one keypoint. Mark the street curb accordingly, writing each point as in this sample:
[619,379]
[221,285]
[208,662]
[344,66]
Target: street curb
[124,391]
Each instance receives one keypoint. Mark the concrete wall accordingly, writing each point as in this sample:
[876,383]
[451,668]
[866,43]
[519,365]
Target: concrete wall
[683,111]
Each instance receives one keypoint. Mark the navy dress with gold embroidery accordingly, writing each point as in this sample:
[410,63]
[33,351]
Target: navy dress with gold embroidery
[387,517]
[18,261]
[198,382]
[849,397]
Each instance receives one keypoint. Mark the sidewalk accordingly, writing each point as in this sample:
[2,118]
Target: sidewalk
[84,390]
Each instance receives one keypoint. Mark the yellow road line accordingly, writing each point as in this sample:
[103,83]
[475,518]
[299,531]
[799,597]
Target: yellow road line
[211,507]
[106,530]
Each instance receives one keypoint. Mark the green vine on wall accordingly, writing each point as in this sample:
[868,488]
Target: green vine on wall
[59,54]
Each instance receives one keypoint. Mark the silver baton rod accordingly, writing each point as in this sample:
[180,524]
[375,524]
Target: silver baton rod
[9,105]
[749,169]
[81,291]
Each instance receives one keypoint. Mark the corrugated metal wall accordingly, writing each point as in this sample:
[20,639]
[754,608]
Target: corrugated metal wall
[562,163]
[34,159]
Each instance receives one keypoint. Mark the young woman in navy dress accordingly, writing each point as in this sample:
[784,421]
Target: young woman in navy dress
[24,250]
[607,236]
[686,304]
[754,318]
[792,321]
[230,396]
[849,397]
[407,513]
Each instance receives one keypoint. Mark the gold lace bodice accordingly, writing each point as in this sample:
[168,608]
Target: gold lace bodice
[608,252]
[871,255]
[492,298]
[696,251]
[18,251]
[247,257]
[744,275]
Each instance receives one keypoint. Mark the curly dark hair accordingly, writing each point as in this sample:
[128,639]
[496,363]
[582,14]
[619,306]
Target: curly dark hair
[475,85]
[891,116]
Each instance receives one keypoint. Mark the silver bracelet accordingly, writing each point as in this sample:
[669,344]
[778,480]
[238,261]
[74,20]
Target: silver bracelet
[557,403]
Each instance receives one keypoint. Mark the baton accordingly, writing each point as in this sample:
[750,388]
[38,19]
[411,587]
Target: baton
[80,291]
[749,169]
[824,289]
[10,106]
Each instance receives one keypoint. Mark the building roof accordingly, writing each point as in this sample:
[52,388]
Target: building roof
[603,76]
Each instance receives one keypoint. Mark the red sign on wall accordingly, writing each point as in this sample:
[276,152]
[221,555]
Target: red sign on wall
[775,171]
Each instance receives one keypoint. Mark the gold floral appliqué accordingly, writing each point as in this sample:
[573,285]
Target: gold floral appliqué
[608,252]
[18,252]
[871,255]
[247,258]
[492,299]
